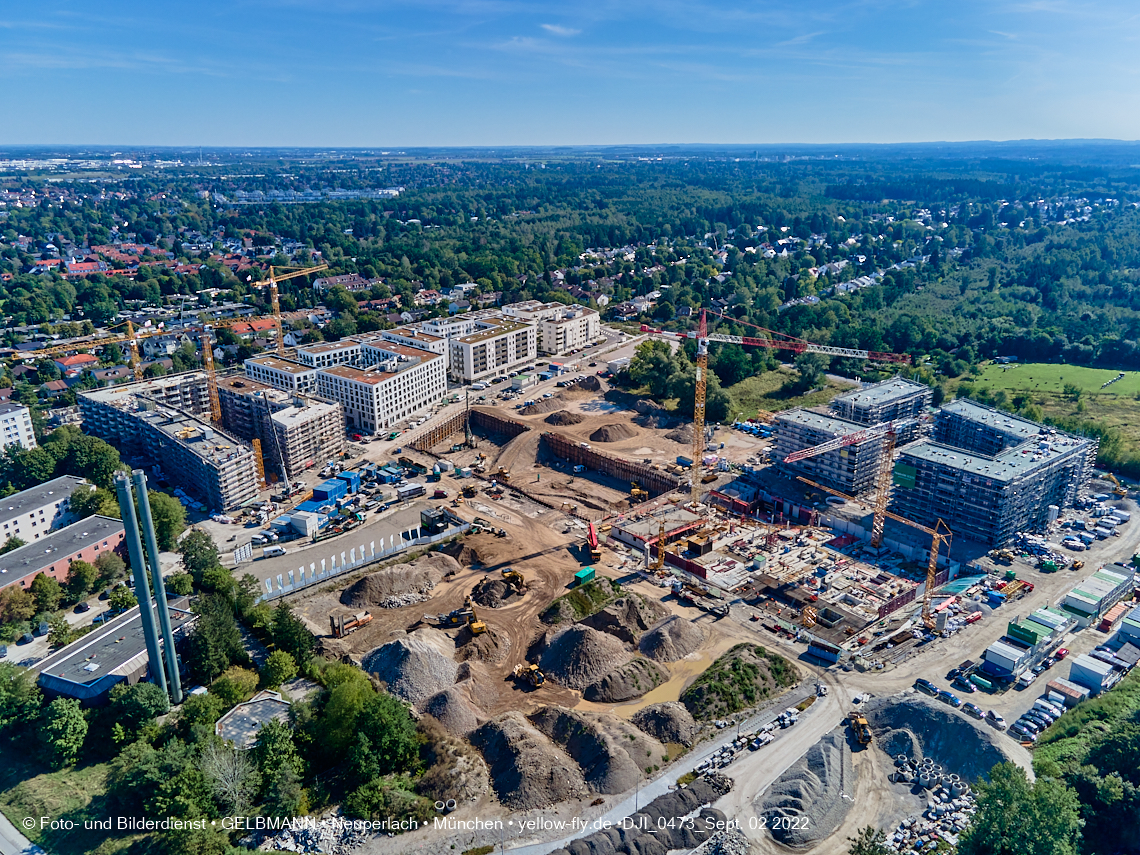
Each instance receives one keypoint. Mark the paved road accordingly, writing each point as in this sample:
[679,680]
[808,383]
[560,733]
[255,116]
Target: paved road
[12,842]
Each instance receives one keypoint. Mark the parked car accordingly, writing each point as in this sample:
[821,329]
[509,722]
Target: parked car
[1028,724]
[82,607]
[972,710]
[1062,652]
[1025,733]
[924,685]
[949,698]
[964,685]
[994,719]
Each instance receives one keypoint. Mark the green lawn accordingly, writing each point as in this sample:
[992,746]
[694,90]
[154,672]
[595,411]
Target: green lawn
[1042,378]
[763,393]
[76,794]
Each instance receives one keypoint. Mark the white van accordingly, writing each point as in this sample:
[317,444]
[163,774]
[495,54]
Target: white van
[273,551]
[478,387]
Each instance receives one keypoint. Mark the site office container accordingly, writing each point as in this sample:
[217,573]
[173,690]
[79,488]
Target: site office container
[352,479]
[1068,690]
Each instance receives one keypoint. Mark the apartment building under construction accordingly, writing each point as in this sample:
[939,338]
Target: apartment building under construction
[891,400]
[296,432]
[989,474]
[851,469]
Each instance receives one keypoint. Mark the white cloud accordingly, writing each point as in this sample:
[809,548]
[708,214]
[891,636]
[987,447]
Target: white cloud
[560,30]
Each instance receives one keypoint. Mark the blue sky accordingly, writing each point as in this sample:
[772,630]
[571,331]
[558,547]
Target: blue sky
[498,72]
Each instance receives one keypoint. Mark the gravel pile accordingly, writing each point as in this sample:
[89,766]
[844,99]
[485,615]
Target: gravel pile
[564,418]
[627,617]
[493,593]
[613,433]
[668,722]
[527,769]
[451,709]
[414,667]
[811,789]
[654,829]
[672,639]
[730,842]
[542,407]
[387,588]
[610,752]
[626,682]
[579,655]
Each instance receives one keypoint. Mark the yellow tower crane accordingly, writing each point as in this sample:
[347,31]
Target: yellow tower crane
[274,298]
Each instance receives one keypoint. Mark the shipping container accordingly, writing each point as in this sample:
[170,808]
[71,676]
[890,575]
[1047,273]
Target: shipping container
[1112,616]
[586,574]
[981,682]
[352,479]
[1070,691]
[1094,675]
[330,490]
[410,491]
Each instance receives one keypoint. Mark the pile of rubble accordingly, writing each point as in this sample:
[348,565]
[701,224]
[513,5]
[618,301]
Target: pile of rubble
[399,600]
[949,806]
[333,835]
[729,842]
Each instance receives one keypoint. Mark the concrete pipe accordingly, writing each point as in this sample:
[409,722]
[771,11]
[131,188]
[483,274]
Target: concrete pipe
[924,778]
[451,805]
[901,760]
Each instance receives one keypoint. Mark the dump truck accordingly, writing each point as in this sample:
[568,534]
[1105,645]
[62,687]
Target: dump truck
[529,674]
[343,625]
[860,728]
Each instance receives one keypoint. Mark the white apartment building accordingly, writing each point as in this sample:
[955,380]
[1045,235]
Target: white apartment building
[39,509]
[412,337]
[16,426]
[562,328]
[282,374]
[497,346]
[329,353]
[403,381]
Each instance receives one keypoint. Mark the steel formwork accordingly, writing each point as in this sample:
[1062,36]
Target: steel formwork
[579,453]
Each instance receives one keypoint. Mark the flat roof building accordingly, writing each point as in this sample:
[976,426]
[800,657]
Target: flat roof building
[88,668]
[891,400]
[34,512]
[562,328]
[493,349]
[53,553]
[852,469]
[16,426]
[399,382]
[242,724]
[326,354]
[109,413]
[989,497]
[282,374]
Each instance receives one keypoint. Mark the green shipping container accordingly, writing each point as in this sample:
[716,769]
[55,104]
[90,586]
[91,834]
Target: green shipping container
[981,682]
[1022,633]
[583,576]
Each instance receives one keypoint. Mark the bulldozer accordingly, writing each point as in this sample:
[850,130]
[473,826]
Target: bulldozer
[636,494]
[515,578]
[502,474]
[469,491]
[860,728]
[530,674]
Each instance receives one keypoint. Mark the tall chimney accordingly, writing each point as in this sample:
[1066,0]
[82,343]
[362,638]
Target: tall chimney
[147,520]
[142,589]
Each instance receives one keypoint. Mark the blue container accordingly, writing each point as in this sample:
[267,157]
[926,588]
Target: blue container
[330,490]
[352,479]
[310,506]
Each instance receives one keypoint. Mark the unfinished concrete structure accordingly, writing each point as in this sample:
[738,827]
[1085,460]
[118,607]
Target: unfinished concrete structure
[296,431]
[851,469]
[890,400]
[988,474]
[109,413]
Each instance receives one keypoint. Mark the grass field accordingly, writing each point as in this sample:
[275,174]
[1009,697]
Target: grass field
[27,789]
[763,392]
[1044,378]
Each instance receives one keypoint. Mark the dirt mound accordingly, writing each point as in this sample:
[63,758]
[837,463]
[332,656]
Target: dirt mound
[672,639]
[645,407]
[683,434]
[610,752]
[527,769]
[628,681]
[627,617]
[613,433]
[920,728]
[664,825]
[542,407]
[493,593]
[579,655]
[484,647]
[811,790]
[669,722]
[415,667]
[590,383]
[564,418]
[392,586]
[739,679]
[452,709]
[455,769]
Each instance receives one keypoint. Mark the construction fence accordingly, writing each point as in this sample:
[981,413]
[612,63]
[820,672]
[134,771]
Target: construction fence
[484,422]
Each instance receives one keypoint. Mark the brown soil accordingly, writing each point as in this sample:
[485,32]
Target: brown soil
[453,710]
[668,722]
[683,435]
[527,769]
[613,433]
[611,753]
[626,618]
[541,408]
[626,682]
[494,593]
[382,587]
[673,639]
[564,418]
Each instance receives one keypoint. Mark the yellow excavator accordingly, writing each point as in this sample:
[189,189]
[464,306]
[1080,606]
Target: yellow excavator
[860,728]
[636,494]
[514,578]
[1118,489]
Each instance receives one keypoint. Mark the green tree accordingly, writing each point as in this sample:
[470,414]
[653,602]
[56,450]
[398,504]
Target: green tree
[386,737]
[199,554]
[232,777]
[1016,817]
[279,668]
[169,519]
[733,364]
[111,569]
[47,592]
[1072,391]
[181,584]
[869,841]
[198,715]
[134,706]
[63,727]
[291,635]
[60,632]
[20,698]
[11,544]
[97,501]
[121,598]
[16,605]
[81,578]
[215,642]
[337,724]
[235,685]
[281,768]
[811,368]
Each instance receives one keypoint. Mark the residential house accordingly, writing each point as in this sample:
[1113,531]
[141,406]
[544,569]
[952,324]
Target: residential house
[76,364]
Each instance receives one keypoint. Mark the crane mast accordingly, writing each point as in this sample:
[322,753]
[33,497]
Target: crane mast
[699,409]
